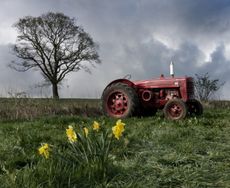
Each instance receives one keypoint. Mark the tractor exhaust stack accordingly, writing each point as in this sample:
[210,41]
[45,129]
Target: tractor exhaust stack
[172,69]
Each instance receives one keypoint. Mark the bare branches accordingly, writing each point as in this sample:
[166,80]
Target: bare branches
[53,43]
[205,87]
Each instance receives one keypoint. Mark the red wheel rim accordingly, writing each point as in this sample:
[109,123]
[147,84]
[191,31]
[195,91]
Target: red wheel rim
[117,103]
[175,110]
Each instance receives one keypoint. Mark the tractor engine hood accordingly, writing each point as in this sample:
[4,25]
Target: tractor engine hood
[162,82]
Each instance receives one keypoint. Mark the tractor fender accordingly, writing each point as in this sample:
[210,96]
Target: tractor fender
[125,81]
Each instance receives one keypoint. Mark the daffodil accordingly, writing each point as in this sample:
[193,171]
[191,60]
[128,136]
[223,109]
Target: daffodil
[44,150]
[118,129]
[72,137]
[86,131]
[96,126]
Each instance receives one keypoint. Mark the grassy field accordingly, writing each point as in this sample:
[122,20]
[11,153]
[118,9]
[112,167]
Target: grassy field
[153,152]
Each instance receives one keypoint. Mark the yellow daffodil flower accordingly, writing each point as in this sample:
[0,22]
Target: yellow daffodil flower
[96,126]
[44,150]
[72,137]
[118,129]
[86,131]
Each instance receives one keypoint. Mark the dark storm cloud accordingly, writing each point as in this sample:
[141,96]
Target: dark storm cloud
[138,37]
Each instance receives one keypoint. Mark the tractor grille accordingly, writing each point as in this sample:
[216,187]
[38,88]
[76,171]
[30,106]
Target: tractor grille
[190,88]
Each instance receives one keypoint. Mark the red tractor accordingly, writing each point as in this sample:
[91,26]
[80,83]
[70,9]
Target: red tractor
[175,95]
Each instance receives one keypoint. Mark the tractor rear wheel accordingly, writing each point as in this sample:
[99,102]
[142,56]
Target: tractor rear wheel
[175,109]
[119,101]
[195,107]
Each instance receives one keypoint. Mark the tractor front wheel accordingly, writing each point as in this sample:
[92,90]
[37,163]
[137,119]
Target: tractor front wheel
[119,101]
[175,109]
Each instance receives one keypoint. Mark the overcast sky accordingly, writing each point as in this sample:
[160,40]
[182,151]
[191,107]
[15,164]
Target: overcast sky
[137,37]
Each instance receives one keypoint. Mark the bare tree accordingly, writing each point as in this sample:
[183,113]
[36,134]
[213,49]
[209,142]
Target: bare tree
[205,87]
[53,44]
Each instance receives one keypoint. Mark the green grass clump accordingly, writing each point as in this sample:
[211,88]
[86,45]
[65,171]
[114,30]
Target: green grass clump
[154,152]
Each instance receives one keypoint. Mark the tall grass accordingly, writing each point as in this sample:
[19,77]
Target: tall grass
[29,109]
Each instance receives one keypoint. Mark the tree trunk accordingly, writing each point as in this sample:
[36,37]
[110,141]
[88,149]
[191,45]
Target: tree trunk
[55,91]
